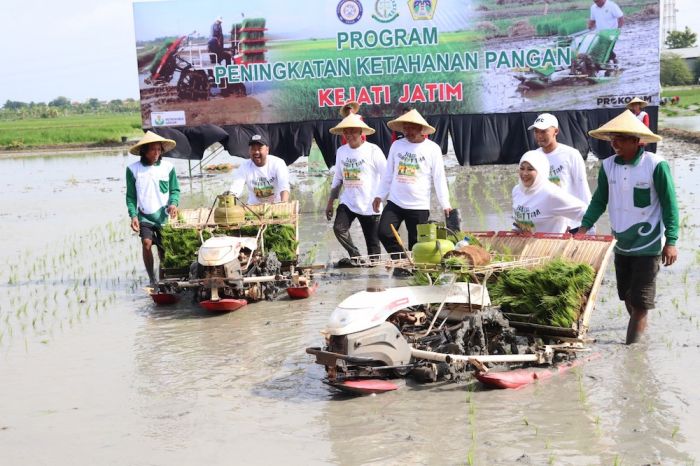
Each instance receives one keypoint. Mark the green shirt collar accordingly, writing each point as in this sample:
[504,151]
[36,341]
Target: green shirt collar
[634,162]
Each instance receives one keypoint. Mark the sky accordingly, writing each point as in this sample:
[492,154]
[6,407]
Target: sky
[82,49]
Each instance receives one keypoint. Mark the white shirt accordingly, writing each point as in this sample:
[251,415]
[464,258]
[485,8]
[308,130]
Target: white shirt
[151,182]
[606,17]
[410,168]
[264,183]
[546,210]
[568,171]
[359,170]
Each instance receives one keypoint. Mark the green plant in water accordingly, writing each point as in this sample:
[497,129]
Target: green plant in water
[550,295]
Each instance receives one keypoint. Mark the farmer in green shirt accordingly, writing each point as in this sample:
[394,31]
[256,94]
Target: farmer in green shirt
[152,194]
[637,188]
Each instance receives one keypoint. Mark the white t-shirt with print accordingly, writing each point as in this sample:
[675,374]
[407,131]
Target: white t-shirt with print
[359,170]
[264,183]
[410,169]
[606,17]
[548,210]
[568,171]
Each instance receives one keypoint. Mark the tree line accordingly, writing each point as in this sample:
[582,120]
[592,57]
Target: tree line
[62,106]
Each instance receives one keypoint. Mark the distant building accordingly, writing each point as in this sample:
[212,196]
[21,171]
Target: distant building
[691,55]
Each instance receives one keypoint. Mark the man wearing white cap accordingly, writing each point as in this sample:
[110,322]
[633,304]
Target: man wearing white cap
[152,194]
[265,176]
[637,188]
[414,163]
[566,166]
[358,169]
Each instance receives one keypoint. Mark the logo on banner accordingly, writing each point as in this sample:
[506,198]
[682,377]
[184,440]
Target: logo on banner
[422,9]
[349,11]
[174,118]
[385,11]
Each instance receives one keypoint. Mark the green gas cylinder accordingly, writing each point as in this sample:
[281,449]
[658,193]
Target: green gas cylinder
[429,249]
[227,212]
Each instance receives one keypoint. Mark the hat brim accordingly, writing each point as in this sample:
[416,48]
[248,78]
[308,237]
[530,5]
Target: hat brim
[338,130]
[531,127]
[167,144]
[609,135]
[642,103]
[397,125]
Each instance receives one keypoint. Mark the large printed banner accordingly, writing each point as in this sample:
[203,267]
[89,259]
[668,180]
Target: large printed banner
[271,61]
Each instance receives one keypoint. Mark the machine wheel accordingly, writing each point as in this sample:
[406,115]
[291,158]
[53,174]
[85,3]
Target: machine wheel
[193,85]
[235,90]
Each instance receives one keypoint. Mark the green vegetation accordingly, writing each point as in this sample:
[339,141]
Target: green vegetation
[561,24]
[551,295]
[181,246]
[281,239]
[674,70]
[681,39]
[688,95]
[85,129]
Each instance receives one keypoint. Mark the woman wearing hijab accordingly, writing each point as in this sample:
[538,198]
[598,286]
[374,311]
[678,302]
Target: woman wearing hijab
[540,206]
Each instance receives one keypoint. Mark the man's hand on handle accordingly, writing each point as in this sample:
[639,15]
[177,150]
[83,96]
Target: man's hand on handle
[581,232]
[172,210]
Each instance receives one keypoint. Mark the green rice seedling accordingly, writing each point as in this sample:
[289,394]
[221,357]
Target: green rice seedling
[674,432]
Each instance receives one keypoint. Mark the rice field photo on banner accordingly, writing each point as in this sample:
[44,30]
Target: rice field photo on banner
[272,61]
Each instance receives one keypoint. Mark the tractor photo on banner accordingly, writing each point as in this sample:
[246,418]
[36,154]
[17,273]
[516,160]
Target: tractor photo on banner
[223,63]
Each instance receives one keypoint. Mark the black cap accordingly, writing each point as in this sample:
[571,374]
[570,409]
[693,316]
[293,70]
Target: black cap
[258,139]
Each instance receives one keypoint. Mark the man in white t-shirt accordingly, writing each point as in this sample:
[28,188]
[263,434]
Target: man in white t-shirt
[414,164]
[359,166]
[265,175]
[566,166]
[605,14]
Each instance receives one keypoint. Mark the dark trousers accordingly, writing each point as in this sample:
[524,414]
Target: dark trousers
[369,223]
[394,215]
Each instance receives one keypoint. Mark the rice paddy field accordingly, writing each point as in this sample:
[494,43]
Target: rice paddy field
[77,130]
[93,373]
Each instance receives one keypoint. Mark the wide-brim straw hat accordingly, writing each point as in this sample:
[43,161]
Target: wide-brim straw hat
[411,117]
[348,108]
[148,138]
[351,121]
[625,124]
[637,100]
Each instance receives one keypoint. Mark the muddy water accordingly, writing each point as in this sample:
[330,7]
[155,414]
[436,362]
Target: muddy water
[92,373]
[500,90]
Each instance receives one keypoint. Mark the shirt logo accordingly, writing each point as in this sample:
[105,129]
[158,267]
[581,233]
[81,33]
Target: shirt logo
[385,11]
[349,11]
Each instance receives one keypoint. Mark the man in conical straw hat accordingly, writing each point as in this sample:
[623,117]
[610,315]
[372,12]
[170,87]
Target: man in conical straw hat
[636,105]
[152,194]
[414,163]
[359,166]
[347,109]
[637,188]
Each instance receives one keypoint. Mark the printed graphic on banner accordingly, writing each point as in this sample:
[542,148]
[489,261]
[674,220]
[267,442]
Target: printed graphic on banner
[272,61]
[171,118]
